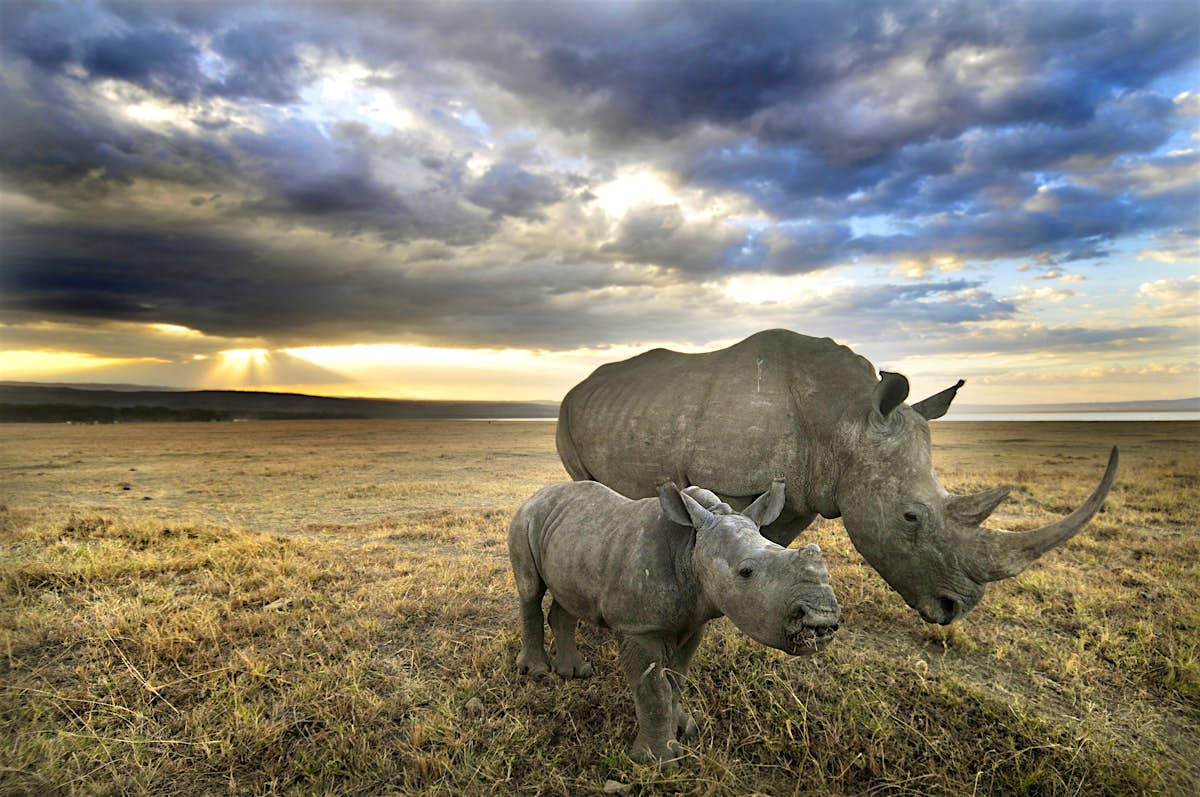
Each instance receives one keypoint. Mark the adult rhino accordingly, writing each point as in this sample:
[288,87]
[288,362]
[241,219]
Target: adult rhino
[813,412]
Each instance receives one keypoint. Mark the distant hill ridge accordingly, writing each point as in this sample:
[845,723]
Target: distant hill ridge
[255,404]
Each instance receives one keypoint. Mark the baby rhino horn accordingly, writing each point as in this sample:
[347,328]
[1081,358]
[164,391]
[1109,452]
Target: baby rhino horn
[701,517]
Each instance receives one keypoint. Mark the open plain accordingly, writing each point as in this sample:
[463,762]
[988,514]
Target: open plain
[327,607]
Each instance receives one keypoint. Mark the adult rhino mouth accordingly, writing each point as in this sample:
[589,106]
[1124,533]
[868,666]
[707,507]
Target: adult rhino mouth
[942,610]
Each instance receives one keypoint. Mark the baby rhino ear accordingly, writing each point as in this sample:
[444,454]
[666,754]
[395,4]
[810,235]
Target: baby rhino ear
[766,507]
[672,504]
[681,508]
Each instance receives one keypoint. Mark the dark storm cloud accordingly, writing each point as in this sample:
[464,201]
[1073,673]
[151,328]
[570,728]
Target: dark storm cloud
[224,286]
[1067,340]
[508,190]
[936,303]
[791,179]
[971,130]
[148,52]
[158,59]
[52,142]
[661,235]
[261,59]
[659,68]
[805,246]
[145,46]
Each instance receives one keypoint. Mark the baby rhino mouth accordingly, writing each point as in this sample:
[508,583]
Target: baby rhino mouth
[812,633]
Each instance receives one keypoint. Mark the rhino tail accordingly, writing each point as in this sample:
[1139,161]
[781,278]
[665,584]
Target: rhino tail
[567,451]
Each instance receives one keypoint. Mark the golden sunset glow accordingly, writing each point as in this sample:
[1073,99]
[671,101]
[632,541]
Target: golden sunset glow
[175,329]
[53,364]
[436,372]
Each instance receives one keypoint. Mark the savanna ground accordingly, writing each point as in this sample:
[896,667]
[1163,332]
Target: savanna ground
[327,607]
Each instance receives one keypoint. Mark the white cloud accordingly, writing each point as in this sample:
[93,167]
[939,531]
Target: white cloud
[1173,247]
[1028,295]
[1173,298]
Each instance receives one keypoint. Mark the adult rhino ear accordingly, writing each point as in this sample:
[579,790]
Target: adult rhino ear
[889,393]
[671,501]
[766,508]
[936,405]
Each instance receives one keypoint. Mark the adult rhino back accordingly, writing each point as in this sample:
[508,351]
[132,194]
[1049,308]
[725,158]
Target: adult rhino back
[732,419]
[784,405]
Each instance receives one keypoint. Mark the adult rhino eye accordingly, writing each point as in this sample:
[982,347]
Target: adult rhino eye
[746,572]
[914,518]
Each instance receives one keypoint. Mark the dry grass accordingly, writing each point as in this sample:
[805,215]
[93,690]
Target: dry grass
[313,607]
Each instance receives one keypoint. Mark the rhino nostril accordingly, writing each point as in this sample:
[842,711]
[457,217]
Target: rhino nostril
[949,607]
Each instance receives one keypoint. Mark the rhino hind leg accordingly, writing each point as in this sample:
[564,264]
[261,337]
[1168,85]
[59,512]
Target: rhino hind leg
[567,663]
[533,659]
[530,587]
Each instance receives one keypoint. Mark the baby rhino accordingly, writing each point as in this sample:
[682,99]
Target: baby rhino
[656,571]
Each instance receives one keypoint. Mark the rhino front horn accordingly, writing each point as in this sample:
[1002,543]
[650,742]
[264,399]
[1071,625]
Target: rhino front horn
[1006,553]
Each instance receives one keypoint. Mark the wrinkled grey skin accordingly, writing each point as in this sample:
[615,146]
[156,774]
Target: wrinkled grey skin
[656,571]
[813,412]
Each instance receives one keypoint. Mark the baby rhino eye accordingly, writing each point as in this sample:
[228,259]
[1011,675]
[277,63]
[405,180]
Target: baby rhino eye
[746,571]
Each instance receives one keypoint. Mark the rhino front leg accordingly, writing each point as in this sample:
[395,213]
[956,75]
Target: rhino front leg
[685,724]
[568,662]
[643,660]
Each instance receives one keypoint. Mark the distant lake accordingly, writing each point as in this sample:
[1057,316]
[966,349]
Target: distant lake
[1074,416]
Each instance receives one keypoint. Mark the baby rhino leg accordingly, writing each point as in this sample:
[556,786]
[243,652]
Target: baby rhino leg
[685,724]
[567,663]
[643,658]
[533,659]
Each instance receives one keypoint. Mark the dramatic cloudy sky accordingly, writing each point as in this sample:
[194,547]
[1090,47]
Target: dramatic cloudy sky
[489,199]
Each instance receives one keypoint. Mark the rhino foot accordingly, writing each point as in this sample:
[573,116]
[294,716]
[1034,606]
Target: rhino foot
[573,669]
[533,665]
[666,757]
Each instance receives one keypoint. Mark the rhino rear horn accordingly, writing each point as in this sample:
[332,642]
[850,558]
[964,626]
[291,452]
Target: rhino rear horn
[972,510]
[1004,554]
